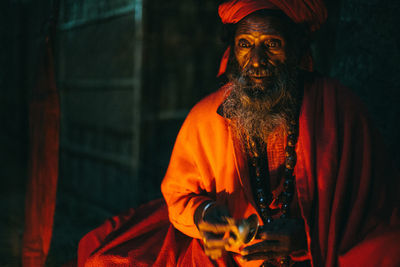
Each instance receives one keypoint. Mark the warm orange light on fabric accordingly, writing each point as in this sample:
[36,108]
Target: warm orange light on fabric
[234,11]
[224,61]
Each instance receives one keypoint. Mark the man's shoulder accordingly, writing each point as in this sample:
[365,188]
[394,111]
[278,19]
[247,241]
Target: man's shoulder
[203,118]
[328,92]
[208,106]
[315,79]
[329,87]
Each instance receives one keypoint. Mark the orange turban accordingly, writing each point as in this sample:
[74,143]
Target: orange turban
[311,12]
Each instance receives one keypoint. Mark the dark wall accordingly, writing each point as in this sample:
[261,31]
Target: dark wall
[366,58]
[180,62]
[128,73]
[359,45]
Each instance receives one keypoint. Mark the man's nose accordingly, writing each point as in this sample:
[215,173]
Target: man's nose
[258,57]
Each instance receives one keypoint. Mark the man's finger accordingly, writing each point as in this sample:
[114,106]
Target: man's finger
[215,243]
[268,235]
[213,253]
[264,256]
[214,228]
[262,247]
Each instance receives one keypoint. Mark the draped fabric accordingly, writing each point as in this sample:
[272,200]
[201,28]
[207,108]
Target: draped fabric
[44,124]
[346,188]
[311,12]
[142,237]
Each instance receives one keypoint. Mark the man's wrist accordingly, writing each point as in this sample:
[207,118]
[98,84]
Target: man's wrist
[201,211]
[206,207]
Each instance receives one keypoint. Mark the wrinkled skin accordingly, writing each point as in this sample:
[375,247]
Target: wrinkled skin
[259,44]
[280,239]
[284,237]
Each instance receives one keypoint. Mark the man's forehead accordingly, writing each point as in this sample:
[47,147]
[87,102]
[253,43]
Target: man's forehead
[261,24]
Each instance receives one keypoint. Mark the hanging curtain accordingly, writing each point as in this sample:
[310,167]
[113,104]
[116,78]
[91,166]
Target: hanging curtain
[44,125]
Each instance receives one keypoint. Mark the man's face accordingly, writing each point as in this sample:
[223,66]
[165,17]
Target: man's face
[263,75]
[260,47]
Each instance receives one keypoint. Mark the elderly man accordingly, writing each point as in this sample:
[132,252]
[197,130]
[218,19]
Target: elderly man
[278,144]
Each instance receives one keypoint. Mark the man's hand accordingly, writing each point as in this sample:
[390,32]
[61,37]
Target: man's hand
[280,239]
[214,223]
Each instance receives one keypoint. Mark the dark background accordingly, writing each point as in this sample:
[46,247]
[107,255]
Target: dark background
[128,72]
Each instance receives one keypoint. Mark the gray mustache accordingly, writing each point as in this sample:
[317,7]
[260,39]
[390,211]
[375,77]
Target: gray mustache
[259,72]
[266,70]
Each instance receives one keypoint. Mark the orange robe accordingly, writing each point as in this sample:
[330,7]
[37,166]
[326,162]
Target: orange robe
[346,189]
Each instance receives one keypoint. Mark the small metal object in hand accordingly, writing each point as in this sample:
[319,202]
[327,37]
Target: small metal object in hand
[242,231]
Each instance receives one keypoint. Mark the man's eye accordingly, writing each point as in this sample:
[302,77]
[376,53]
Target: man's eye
[273,44]
[244,43]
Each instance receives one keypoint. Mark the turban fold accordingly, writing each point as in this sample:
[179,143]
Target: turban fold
[313,13]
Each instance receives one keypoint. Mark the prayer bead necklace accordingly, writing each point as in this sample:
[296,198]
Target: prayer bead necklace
[259,174]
